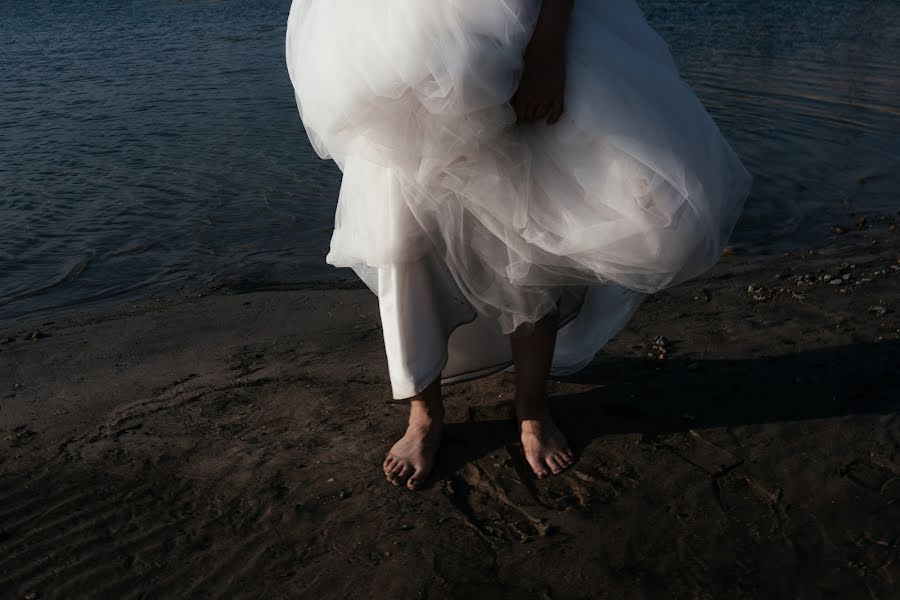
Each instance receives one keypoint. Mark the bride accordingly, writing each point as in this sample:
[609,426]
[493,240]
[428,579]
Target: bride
[518,175]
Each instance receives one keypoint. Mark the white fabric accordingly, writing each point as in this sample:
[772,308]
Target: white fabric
[634,189]
[430,330]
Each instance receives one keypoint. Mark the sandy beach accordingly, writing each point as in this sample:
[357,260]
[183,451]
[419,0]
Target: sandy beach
[739,439]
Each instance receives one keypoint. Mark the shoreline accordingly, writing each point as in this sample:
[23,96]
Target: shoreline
[740,438]
[344,279]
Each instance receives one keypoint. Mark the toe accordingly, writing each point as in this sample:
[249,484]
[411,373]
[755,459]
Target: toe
[554,464]
[415,480]
[564,462]
[539,467]
[392,474]
[388,463]
[391,477]
[403,475]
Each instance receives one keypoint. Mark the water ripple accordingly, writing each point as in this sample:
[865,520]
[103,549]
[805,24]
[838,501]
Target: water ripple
[146,147]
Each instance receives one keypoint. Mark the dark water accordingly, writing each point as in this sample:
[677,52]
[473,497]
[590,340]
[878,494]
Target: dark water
[148,147]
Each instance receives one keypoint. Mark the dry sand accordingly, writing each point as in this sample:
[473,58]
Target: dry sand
[229,445]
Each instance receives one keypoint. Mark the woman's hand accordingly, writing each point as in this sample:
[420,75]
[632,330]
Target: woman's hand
[541,92]
[542,88]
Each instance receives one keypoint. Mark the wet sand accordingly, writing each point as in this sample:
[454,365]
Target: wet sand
[229,445]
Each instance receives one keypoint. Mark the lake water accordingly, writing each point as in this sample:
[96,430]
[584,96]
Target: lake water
[151,147]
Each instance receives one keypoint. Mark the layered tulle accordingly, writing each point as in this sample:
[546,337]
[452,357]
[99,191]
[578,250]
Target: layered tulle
[634,186]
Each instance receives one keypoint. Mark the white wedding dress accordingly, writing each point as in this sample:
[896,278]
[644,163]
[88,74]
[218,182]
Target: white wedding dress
[468,226]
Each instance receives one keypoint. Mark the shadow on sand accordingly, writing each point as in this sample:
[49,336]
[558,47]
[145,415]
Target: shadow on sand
[659,397]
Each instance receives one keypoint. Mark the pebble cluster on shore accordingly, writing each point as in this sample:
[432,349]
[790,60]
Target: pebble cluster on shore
[845,278]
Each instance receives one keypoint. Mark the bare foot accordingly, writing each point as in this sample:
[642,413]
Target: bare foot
[410,460]
[546,448]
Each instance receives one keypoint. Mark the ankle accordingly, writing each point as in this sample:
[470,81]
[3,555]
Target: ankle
[532,414]
[426,412]
[533,422]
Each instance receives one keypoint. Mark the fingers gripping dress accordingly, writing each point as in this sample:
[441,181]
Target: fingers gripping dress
[468,226]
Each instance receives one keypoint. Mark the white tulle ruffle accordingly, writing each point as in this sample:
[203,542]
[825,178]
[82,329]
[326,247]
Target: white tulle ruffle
[634,186]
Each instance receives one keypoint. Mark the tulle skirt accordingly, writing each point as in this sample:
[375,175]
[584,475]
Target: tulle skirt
[632,191]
